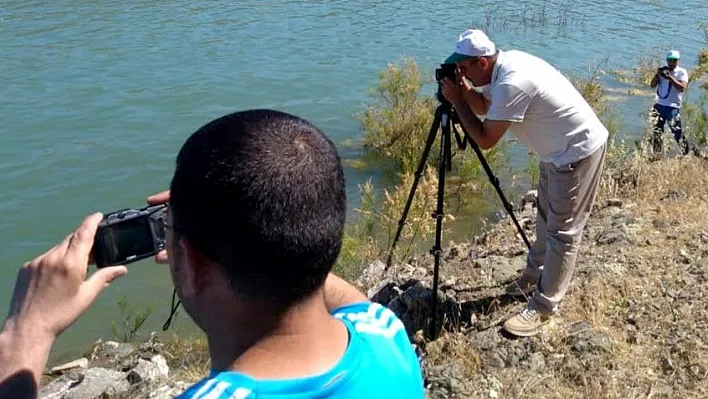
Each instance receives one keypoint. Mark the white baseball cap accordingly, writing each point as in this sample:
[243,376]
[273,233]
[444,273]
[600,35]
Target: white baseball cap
[673,55]
[472,43]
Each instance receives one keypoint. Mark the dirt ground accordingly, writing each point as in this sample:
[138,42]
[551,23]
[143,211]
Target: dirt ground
[633,324]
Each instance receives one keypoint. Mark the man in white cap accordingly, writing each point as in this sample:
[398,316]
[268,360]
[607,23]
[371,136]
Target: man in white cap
[670,82]
[526,95]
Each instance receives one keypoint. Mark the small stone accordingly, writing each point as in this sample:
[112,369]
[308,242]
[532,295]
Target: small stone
[580,327]
[493,393]
[529,198]
[674,196]
[537,361]
[667,365]
[76,364]
[659,224]
[616,202]
[685,257]
[453,253]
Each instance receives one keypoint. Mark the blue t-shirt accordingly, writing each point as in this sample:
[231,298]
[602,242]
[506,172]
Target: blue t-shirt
[378,363]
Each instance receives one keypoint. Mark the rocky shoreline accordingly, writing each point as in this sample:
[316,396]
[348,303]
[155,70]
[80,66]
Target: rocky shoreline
[633,323]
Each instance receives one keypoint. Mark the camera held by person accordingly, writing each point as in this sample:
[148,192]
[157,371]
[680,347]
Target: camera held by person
[670,82]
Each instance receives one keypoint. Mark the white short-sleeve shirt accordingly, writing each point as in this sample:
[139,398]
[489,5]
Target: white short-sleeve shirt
[548,113]
[666,93]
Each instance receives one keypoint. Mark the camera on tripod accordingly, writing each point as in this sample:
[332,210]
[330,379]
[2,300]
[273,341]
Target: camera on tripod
[445,71]
[444,120]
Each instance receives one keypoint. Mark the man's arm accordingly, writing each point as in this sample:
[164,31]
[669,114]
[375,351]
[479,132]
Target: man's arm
[339,293]
[50,293]
[486,134]
[654,80]
[477,102]
[681,86]
[23,355]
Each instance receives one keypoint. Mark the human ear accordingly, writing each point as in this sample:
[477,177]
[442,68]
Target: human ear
[483,63]
[193,266]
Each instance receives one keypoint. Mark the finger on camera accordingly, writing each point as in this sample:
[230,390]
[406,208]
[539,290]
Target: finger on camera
[161,257]
[81,242]
[159,198]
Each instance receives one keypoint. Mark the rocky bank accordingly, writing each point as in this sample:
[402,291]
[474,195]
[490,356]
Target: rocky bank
[633,323]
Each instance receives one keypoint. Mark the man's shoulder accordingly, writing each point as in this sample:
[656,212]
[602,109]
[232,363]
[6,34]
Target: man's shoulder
[519,69]
[370,318]
[682,72]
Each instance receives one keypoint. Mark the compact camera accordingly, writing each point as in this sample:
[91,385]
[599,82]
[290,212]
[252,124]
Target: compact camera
[130,235]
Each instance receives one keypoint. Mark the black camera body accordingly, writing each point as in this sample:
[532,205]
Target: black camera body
[446,71]
[664,71]
[130,235]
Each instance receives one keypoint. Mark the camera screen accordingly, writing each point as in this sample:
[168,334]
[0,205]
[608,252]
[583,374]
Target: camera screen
[127,239]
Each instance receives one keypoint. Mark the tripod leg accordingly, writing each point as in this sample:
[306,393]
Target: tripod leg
[439,215]
[495,183]
[418,173]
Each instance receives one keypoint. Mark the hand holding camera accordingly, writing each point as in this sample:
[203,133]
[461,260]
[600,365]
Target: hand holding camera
[451,85]
[663,72]
[130,235]
[52,290]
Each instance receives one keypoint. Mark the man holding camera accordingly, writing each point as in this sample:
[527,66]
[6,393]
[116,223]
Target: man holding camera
[525,94]
[255,220]
[670,82]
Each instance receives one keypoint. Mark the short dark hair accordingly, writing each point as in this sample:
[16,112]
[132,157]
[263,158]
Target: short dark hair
[262,193]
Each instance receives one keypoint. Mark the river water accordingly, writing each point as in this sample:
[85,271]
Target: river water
[97,97]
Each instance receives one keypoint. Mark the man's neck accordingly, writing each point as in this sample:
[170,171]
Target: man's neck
[305,340]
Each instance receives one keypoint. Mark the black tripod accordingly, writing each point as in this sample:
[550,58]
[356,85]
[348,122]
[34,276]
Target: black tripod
[444,117]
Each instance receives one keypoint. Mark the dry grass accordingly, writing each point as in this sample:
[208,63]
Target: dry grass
[187,357]
[643,301]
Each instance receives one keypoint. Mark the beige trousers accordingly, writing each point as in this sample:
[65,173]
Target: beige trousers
[565,198]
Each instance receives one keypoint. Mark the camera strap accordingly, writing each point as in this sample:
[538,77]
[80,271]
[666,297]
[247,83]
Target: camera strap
[173,310]
[667,91]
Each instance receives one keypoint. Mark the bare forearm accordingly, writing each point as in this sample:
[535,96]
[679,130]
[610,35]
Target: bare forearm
[340,293]
[23,356]
[472,125]
[477,102]
[681,86]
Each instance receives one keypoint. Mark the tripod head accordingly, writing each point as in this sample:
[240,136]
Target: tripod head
[445,71]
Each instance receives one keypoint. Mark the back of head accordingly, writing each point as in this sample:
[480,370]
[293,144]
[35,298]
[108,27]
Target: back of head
[262,194]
